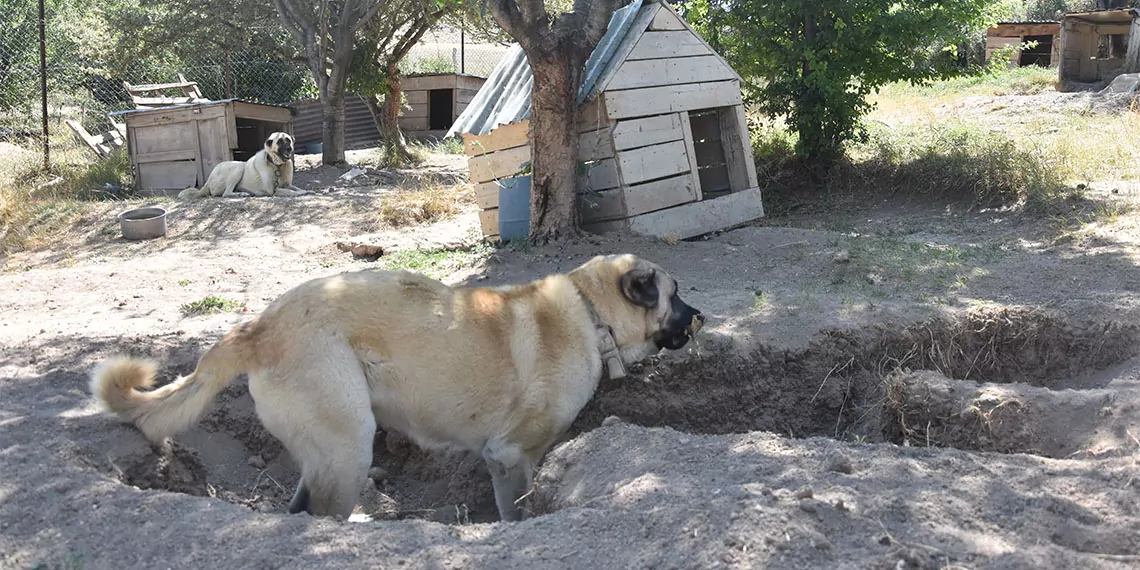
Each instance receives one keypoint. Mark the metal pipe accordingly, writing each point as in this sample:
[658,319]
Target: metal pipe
[43,87]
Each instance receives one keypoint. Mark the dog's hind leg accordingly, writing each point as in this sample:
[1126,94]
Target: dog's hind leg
[321,411]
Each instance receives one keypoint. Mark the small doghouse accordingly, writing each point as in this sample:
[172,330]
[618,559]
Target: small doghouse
[434,101]
[1097,46]
[176,147]
[1046,36]
[664,149]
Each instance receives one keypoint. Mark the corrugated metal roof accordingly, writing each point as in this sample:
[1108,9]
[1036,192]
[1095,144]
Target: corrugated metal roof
[505,97]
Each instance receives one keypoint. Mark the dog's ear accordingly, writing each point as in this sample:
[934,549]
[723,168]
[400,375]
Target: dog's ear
[640,287]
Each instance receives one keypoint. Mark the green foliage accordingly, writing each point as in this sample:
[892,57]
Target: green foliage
[210,305]
[816,61]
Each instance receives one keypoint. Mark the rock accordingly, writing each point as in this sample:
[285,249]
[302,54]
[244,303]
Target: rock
[256,462]
[804,493]
[369,252]
[377,473]
[842,257]
[808,506]
[611,420]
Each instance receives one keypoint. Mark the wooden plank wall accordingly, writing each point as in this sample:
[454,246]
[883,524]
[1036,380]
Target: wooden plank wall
[641,167]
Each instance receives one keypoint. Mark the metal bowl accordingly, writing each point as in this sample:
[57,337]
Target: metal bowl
[143,223]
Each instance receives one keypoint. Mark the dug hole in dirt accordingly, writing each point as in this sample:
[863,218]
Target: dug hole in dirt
[1001,380]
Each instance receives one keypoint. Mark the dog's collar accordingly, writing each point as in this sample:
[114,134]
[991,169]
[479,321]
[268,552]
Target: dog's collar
[607,346]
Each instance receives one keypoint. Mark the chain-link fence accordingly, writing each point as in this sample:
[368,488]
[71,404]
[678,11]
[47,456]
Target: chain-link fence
[84,88]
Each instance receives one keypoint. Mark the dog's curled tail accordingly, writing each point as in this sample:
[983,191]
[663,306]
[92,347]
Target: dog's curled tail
[174,407]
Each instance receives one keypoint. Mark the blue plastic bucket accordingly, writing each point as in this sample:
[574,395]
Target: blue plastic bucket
[514,207]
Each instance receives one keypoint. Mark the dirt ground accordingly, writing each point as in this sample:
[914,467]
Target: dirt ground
[881,384]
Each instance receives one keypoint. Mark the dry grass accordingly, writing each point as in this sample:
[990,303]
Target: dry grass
[36,205]
[425,201]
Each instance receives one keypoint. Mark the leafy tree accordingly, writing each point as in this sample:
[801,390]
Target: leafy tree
[381,46]
[557,45]
[815,61]
[327,34]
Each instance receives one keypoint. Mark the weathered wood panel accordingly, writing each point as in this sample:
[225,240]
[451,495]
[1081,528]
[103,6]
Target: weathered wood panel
[262,112]
[659,194]
[502,164]
[415,111]
[1132,58]
[665,20]
[428,82]
[469,82]
[660,45]
[163,138]
[489,222]
[601,206]
[601,175]
[671,99]
[657,72]
[652,162]
[647,131]
[697,218]
[694,170]
[213,144]
[465,95]
[156,117]
[505,136]
[595,145]
[168,175]
[1018,30]
[739,138]
[167,156]
[416,97]
[637,29]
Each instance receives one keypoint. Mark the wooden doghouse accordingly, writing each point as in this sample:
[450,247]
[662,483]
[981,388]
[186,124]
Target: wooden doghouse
[1046,53]
[664,150]
[176,147]
[434,101]
[1097,46]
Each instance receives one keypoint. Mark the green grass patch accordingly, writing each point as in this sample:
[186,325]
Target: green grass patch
[436,263]
[210,305]
[996,81]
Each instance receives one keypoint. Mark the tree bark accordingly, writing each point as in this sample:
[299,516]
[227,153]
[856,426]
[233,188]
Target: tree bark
[332,132]
[554,145]
[386,115]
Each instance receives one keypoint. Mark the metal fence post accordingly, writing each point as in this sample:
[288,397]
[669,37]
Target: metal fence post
[43,87]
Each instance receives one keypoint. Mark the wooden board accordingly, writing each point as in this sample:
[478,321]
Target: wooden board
[465,95]
[1018,30]
[168,175]
[163,138]
[212,144]
[637,28]
[601,175]
[257,112]
[502,164]
[469,83]
[672,71]
[416,111]
[489,222]
[601,206]
[155,117]
[652,162]
[505,136]
[487,195]
[429,82]
[595,145]
[1132,58]
[659,194]
[671,99]
[665,20]
[660,45]
[698,218]
[738,148]
[592,116]
[694,171]
[416,97]
[647,131]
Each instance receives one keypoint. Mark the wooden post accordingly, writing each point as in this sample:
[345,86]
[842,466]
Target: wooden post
[1132,60]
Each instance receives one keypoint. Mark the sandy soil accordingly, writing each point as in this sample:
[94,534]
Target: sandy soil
[881,384]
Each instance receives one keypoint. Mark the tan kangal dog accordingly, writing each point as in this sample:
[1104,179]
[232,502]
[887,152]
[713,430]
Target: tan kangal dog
[269,172]
[501,372]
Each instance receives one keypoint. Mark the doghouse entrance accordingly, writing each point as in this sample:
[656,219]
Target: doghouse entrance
[251,135]
[719,150]
[441,103]
[1040,54]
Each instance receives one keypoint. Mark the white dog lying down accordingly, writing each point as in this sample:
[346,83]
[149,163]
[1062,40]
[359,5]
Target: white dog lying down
[267,173]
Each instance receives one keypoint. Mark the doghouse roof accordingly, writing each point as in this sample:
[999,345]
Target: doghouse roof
[505,97]
[1105,16]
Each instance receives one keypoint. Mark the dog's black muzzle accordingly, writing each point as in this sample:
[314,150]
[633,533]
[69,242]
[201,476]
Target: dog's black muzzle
[678,329]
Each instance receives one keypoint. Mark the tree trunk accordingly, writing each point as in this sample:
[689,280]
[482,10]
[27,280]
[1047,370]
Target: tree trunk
[554,145]
[332,132]
[386,116]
